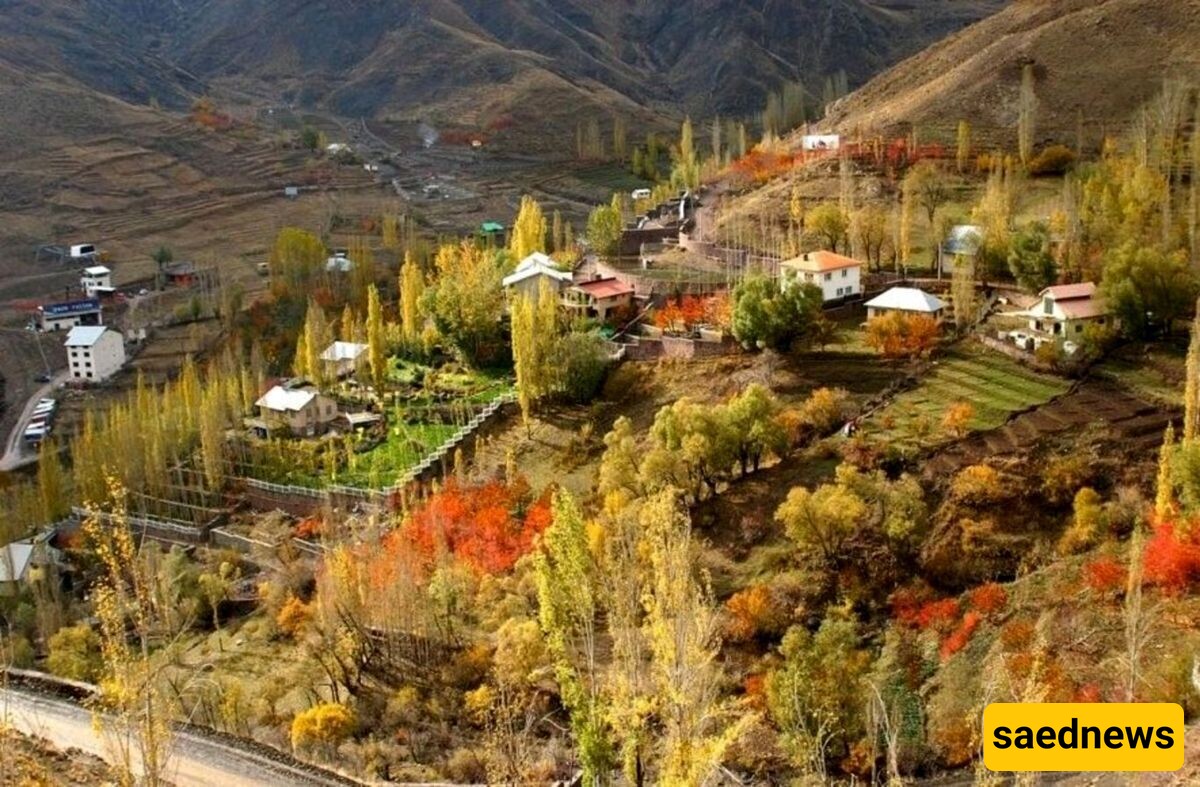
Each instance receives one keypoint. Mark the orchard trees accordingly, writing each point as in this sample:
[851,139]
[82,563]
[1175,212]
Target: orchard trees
[830,223]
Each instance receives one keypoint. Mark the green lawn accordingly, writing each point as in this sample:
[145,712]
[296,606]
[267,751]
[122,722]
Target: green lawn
[1154,372]
[405,446]
[992,384]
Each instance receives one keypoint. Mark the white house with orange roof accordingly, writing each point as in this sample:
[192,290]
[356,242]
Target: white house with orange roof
[839,277]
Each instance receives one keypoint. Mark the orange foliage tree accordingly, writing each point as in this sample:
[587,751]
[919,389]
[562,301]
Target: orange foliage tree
[1172,557]
[900,335]
[487,526]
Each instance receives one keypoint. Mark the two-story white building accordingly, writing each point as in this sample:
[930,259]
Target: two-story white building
[94,352]
[839,277]
[1064,310]
[96,280]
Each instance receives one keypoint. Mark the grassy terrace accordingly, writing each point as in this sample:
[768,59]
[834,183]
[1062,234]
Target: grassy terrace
[992,384]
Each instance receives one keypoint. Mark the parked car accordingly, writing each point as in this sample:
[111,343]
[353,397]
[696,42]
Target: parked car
[42,378]
[35,434]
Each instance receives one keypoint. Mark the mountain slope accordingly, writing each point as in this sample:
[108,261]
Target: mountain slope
[474,61]
[1096,59]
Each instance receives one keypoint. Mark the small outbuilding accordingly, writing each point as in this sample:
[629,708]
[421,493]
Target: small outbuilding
[906,300]
[342,358]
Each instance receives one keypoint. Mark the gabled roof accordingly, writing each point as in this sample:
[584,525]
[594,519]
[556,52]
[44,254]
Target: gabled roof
[492,226]
[537,264]
[821,262]
[908,299]
[1068,292]
[17,557]
[84,335]
[281,400]
[343,351]
[605,288]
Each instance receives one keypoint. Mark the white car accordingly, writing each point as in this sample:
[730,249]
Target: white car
[1019,337]
[1070,348]
[35,434]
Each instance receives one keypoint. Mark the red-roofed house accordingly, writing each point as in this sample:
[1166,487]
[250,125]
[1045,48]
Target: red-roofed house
[598,298]
[838,277]
[1066,309]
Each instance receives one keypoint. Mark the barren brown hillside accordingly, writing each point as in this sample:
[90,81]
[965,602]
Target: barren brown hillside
[1101,59]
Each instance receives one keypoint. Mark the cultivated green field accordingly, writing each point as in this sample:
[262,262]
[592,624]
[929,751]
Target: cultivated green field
[994,385]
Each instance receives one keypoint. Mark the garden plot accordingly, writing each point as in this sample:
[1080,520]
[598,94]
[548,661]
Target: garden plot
[994,386]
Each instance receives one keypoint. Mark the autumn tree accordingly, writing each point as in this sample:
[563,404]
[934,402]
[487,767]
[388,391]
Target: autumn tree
[529,229]
[412,288]
[815,696]
[958,418]
[604,228]
[534,337]
[963,148]
[821,521]
[466,299]
[829,223]
[567,608]
[962,292]
[686,173]
[322,727]
[376,342]
[296,257]
[52,483]
[871,228]
[900,335]
[682,643]
[926,186]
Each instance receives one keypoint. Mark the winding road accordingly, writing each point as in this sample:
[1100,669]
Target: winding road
[15,453]
[196,761]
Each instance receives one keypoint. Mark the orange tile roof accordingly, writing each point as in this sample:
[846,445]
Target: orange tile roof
[1064,292]
[822,262]
[605,288]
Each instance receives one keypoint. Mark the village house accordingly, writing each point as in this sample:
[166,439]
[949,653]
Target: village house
[96,280]
[493,233]
[531,272]
[296,408]
[906,300]
[1065,310]
[598,298]
[67,315]
[29,560]
[837,276]
[962,242]
[341,358]
[94,352]
[181,273]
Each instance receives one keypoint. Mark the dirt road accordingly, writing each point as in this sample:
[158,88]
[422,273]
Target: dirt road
[16,454]
[196,761]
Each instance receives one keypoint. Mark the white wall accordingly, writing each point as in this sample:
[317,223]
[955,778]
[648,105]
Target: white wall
[100,361]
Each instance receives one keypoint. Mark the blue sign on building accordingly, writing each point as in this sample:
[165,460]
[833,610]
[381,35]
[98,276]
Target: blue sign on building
[68,308]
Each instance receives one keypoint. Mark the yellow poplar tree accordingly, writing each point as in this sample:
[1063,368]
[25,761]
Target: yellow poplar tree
[412,287]
[376,352]
[529,229]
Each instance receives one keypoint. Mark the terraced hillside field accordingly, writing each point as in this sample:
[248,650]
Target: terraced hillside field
[1125,419]
[993,385]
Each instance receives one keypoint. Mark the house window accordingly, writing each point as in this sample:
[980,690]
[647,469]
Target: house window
[845,273]
[1048,305]
[1079,328]
[828,277]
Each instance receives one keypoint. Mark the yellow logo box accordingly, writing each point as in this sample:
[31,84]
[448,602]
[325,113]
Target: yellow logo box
[1101,736]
